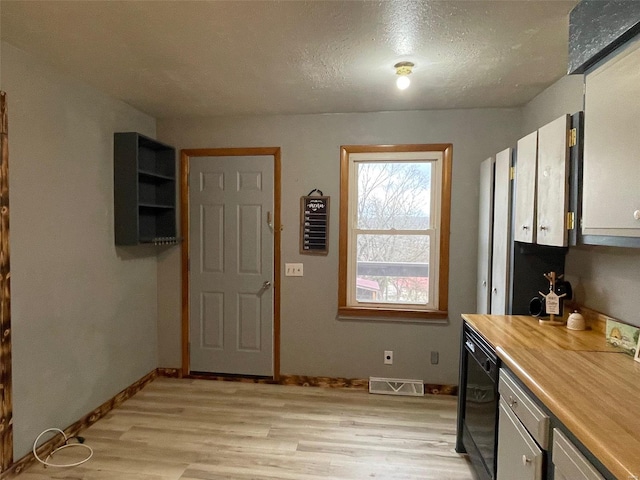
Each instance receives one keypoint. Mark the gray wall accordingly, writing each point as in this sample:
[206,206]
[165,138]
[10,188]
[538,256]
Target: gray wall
[606,279]
[313,341]
[84,313]
[564,96]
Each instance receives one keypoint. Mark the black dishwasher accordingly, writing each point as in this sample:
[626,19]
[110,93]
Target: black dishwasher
[477,430]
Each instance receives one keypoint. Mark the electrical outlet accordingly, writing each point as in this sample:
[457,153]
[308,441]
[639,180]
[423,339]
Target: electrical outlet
[435,358]
[293,270]
[388,357]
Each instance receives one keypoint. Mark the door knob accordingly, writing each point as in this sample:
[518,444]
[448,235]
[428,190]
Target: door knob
[270,225]
[264,287]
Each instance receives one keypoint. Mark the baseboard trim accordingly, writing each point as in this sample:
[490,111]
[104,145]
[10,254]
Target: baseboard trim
[303,381]
[86,421]
[325,382]
[170,372]
[436,389]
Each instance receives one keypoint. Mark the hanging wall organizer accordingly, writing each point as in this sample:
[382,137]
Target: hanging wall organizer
[314,223]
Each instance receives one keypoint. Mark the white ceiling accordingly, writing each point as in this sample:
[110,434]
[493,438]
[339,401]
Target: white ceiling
[183,58]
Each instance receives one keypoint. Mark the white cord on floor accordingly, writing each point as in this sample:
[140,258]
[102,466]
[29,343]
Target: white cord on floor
[46,463]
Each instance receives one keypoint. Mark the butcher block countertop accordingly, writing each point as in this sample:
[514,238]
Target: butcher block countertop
[591,387]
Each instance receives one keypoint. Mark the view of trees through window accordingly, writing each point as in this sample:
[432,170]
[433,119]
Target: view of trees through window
[392,234]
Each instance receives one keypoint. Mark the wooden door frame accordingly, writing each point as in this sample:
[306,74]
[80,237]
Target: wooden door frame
[185,156]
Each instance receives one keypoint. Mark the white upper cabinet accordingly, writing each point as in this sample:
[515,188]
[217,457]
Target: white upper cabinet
[501,251]
[552,202]
[542,185]
[485,236]
[524,227]
[611,177]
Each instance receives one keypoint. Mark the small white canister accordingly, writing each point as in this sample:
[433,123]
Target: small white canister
[576,322]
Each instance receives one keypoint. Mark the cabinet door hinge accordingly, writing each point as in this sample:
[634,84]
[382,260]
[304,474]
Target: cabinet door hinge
[573,137]
[571,220]
[512,173]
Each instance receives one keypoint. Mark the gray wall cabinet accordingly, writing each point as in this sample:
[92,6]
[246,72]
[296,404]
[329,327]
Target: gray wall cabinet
[144,184]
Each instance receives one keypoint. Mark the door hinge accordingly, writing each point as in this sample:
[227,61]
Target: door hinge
[573,137]
[571,220]
[512,173]
[189,265]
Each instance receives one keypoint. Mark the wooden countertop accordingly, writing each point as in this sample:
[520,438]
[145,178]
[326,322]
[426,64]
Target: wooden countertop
[591,387]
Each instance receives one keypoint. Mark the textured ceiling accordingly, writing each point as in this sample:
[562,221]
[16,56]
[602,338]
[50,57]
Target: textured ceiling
[185,58]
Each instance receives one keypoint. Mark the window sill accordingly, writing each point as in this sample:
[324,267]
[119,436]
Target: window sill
[396,315]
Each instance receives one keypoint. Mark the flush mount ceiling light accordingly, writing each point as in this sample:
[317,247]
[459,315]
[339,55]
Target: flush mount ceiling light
[403,70]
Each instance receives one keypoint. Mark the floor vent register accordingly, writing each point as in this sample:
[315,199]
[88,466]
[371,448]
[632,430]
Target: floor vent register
[396,386]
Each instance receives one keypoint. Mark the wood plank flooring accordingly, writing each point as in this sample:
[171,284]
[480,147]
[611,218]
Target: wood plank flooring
[182,429]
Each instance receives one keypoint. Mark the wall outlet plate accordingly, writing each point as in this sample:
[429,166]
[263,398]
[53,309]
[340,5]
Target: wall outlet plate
[388,357]
[293,269]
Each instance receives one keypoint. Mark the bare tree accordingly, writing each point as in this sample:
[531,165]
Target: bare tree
[394,197]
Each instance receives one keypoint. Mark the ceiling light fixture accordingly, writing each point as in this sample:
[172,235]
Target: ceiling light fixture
[403,70]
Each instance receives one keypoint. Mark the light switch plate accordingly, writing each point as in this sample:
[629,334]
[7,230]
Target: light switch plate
[293,269]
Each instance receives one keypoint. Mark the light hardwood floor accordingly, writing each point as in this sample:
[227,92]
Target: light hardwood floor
[181,429]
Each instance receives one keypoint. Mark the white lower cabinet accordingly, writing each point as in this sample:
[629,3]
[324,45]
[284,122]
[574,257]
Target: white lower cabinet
[523,433]
[519,456]
[568,462]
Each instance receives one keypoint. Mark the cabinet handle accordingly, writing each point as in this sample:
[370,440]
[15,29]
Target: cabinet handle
[495,290]
[525,460]
[487,365]
[542,227]
[636,214]
[525,227]
[513,403]
[484,283]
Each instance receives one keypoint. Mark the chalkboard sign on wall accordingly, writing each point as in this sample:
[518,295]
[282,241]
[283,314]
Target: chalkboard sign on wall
[314,225]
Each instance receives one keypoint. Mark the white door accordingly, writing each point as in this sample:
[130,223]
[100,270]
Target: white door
[231,264]
[553,183]
[501,252]
[485,232]
[524,228]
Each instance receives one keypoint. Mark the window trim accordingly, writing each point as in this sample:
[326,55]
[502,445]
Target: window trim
[445,219]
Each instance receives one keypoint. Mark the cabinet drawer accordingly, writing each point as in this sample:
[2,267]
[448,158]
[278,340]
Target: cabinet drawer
[519,457]
[531,416]
[568,462]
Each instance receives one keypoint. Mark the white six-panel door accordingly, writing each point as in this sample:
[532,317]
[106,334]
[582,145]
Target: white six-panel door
[231,265]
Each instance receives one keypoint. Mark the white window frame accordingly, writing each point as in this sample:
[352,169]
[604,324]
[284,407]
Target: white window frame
[439,156]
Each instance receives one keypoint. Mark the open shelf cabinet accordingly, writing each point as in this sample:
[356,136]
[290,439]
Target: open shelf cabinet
[144,183]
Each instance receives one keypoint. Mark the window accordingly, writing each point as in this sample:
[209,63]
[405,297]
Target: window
[395,203]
